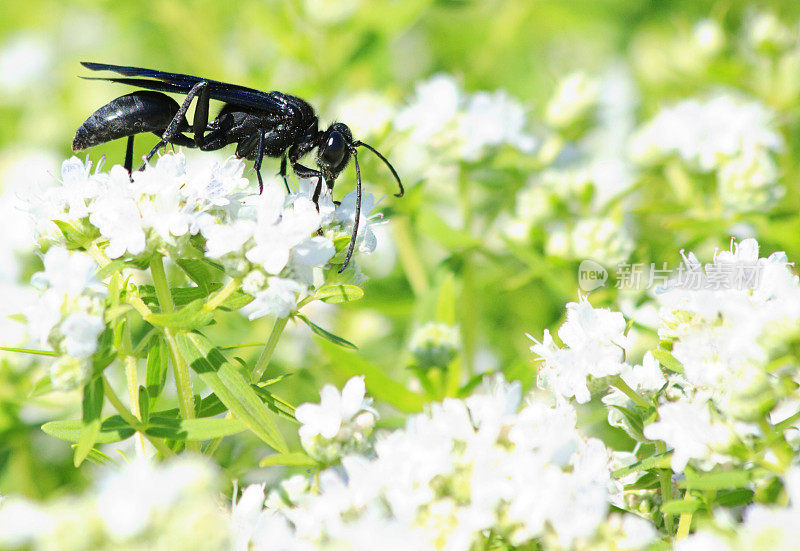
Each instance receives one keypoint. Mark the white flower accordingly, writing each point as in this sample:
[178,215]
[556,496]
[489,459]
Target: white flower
[68,274]
[595,342]
[347,417]
[346,214]
[688,429]
[225,239]
[80,332]
[279,230]
[117,216]
[278,299]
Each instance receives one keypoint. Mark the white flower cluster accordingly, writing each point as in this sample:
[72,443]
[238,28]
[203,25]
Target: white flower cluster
[446,479]
[594,346]
[339,425]
[458,125]
[723,341]
[140,506]
[725,133]
[68,315]
[278,243]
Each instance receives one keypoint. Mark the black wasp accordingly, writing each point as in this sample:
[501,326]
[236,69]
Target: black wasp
[271,124]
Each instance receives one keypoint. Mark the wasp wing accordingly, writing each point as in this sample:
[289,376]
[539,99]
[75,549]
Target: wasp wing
[178,83]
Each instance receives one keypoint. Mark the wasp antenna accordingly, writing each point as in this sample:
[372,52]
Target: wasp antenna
[351,247]
[386,162]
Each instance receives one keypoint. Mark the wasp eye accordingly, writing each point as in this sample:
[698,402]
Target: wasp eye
[333,151]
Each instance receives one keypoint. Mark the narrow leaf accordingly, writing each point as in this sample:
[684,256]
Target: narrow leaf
[327,335]
[293,459]
[666,359]
[112,429]
[91,422]
[191,316]
[202,272]
[194,429]
[29,351]
[144,404]
[157,365]
[231,388]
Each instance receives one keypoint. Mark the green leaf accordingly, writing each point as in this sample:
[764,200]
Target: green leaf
[666,359]
[634,420]
[194,429]
[144,404]
[202,272]
[379,385]
[734,498]
[97,457]
[338,292]
[77,235]
[680,506]
[191,316]
[697,480]
[647,481]
[42,386]
[231,388]
[661,461]
[327,335]
[237,300]
[293,459]
[112,429]
[116,312]
[29,351]
[91,422]
[157,365]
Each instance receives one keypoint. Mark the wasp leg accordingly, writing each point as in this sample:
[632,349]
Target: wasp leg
[283,173]
[259,159]
[129,155]
[178,122]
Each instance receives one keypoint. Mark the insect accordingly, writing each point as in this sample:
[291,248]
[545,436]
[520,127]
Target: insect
[271,124]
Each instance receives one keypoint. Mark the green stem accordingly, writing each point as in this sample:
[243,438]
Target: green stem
[665,477]
[132,379]
[131,419]
[684,523]
[183,381]
[619,383]
[216,300]
[269,349]
[409,256]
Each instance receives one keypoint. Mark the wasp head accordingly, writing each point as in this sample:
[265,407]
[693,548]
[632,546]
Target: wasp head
[334,150]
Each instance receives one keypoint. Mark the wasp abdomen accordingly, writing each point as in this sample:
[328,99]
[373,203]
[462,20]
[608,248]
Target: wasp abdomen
[141,111]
